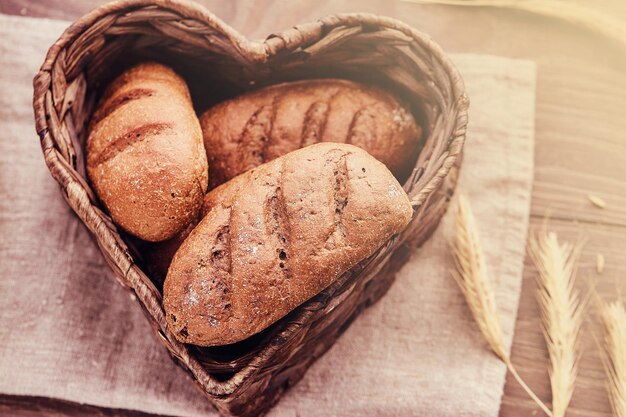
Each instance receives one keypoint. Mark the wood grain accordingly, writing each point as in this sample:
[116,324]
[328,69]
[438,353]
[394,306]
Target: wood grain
[580,141]
[23,406]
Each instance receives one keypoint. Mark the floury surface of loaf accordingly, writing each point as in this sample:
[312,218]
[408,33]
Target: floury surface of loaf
[275,236]
[145,156]
[254,128]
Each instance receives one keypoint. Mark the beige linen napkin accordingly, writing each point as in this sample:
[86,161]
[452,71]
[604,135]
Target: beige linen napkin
[69,331]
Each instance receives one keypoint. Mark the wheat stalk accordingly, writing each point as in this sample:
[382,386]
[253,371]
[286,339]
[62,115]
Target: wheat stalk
[589,18]
[613,317]
[471,276]
[561,313]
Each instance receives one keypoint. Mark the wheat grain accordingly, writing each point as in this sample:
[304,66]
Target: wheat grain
[561,313]
[471,277]
[613,317]
[599,263]
[596,201]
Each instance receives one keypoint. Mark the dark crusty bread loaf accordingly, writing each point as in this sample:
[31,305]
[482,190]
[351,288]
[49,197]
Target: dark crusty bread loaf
[277,235]
[244,132]
[145,156]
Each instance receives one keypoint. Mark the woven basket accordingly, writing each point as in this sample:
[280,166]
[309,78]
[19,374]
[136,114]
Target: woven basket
[248,378]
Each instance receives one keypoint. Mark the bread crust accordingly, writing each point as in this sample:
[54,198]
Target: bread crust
[275,236]
[246,131]
[145,155]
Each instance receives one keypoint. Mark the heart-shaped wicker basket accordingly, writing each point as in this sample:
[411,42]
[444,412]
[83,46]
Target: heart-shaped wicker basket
[248,378]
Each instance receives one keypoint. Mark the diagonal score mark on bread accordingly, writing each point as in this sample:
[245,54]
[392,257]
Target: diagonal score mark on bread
[121,143]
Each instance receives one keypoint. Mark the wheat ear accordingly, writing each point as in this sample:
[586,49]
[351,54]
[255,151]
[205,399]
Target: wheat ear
[561,313]
[471,276]
[613,318]
[573,13]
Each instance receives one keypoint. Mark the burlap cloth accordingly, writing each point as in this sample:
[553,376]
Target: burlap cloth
[69,331]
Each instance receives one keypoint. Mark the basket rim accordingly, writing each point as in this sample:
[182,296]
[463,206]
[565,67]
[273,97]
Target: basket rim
[258,52]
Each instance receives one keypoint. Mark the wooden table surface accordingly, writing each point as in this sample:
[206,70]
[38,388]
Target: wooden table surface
[580,143]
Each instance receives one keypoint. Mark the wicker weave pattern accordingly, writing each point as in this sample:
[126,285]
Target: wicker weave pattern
[358,46]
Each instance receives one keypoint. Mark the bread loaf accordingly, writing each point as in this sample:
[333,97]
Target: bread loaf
[156,257]
[275,236]
[244,132]
[145,156]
